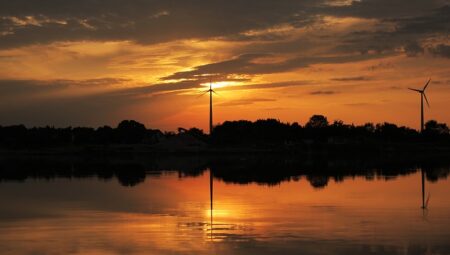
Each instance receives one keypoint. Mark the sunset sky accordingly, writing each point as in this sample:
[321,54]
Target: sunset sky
[94,63]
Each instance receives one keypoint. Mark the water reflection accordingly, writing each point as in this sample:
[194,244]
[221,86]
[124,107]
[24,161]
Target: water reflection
[249,210]
[265,170]
[211,209]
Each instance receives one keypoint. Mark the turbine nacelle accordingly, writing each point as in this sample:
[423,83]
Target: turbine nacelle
[417,90]
[422,91]
[210,90]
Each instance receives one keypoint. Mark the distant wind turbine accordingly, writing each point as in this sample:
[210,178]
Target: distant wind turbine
[422,96]
[210,91]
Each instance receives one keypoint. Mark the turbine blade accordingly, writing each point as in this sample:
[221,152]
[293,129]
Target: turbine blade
[426,99]
[426,85]
[202,94]
[416,90]
[213,91]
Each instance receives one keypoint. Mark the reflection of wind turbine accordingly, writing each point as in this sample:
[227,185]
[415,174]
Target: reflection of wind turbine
[211,199]
[422,96]
[424,203]
[210,91]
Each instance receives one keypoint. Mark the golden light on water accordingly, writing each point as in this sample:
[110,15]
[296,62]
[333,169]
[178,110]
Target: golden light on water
[222,212]
[178,219]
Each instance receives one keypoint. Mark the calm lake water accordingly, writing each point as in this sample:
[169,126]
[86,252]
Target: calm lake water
[169,213]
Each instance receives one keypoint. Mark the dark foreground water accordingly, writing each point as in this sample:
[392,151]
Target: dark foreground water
[174,213]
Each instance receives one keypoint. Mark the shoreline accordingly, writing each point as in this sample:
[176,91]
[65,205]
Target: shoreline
[423,150]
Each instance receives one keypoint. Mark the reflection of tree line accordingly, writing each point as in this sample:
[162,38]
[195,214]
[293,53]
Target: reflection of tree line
[265,170]
[319,171]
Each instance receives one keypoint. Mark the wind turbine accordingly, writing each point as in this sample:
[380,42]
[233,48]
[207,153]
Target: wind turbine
[422,96]
[210,91]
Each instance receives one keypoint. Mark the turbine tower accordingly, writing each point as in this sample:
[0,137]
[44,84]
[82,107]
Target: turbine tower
[422,96]
[210,91]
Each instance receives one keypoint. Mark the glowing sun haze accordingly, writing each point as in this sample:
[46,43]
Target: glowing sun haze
[93,63]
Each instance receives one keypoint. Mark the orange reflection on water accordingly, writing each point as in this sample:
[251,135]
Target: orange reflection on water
[168,215]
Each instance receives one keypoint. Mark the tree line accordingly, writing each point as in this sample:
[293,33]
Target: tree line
[261,132]
[127,132]
[319,130]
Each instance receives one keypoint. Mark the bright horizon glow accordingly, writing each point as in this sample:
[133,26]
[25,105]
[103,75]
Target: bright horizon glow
[219,84]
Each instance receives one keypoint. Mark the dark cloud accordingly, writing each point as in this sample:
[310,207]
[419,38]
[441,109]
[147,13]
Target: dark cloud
[435,21]
[41,103]
[187,84]
[27,88]
[381,66]
[441,82]
[243,64]
[413,49]
[161,87]
[356,78]
[97,108]
[441,50]
[94,110]
[323,92]
[405,32]
[384,9]
[247,101]
[248,65]
[33,107]
[25,22]
[19,87]
[396,88]
[30,22]
[100,82]
[30,87]
[176,87]
[357,104]
[270,85]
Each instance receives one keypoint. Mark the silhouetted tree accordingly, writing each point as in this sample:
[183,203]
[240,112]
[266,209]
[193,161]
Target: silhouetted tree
[317,121]
[105,135]
[130,131]
[369,127]
[270,131]
[432,127]
[197,133]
